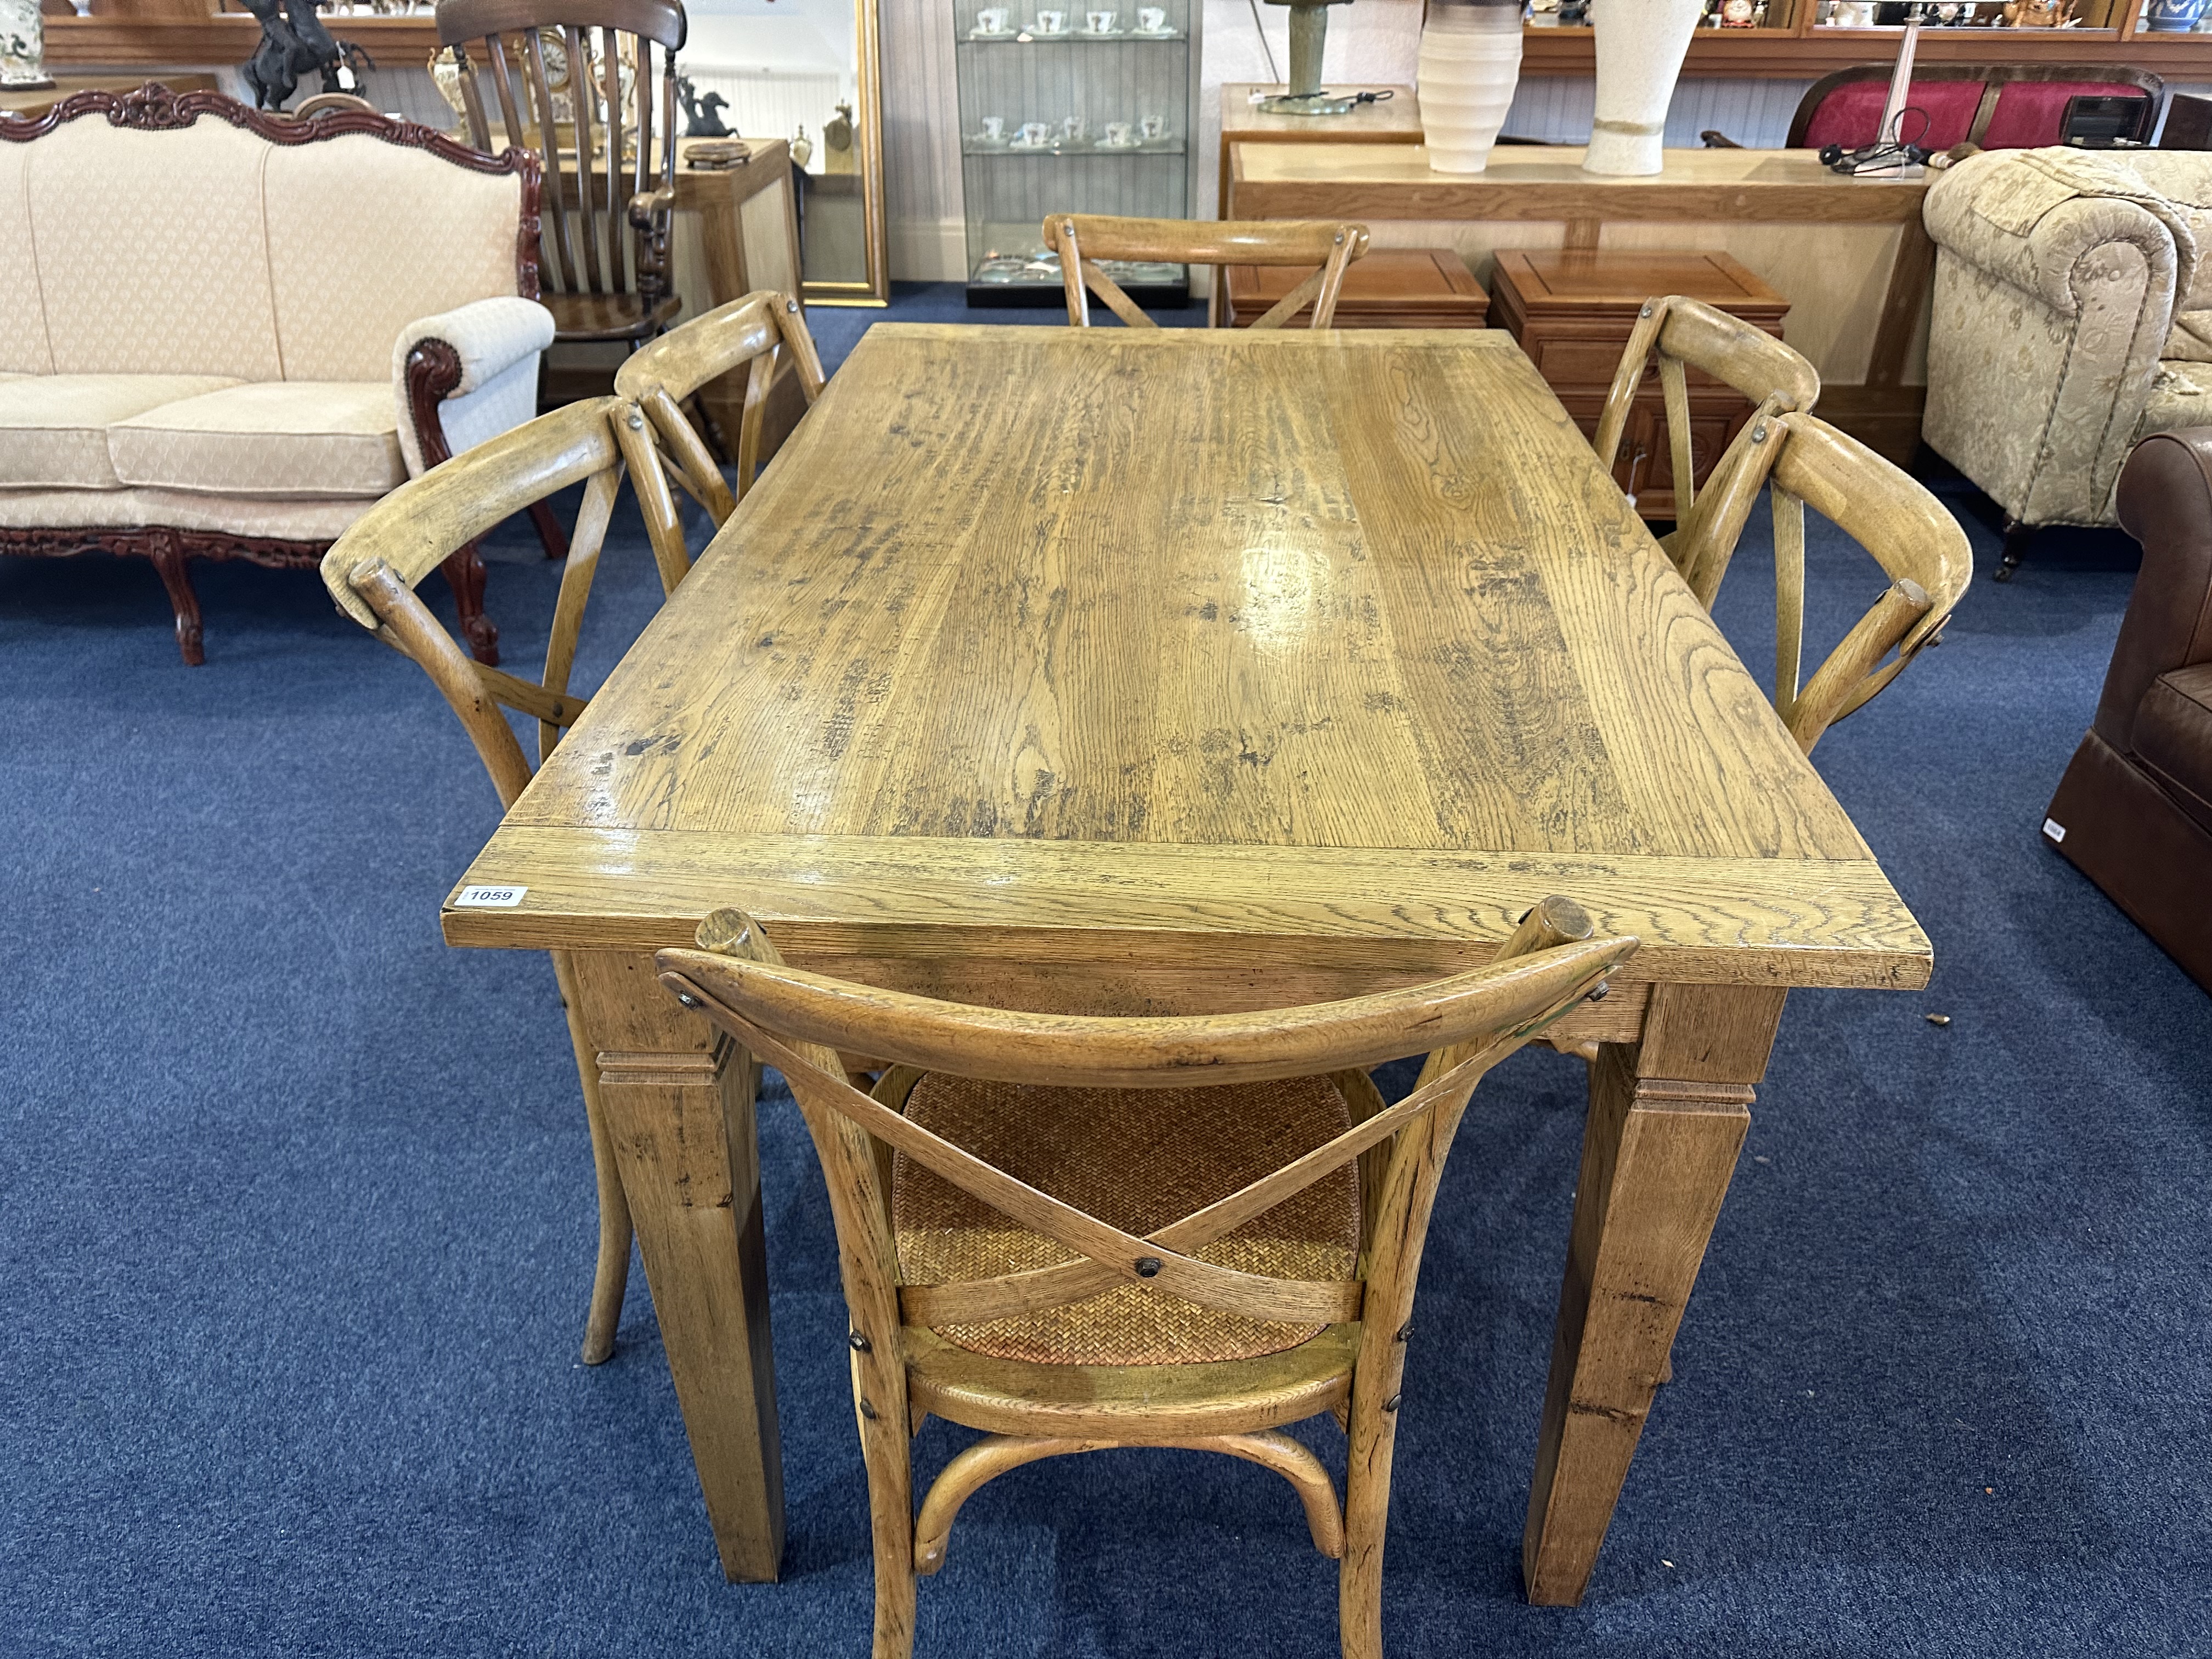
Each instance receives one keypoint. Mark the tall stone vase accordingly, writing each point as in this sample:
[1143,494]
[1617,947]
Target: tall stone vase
[1640,47]
[1470,65]
[22,45]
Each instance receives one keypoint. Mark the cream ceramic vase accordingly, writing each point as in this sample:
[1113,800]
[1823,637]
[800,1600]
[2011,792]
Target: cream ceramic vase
[22,45]
[1640,47]
[1470,64]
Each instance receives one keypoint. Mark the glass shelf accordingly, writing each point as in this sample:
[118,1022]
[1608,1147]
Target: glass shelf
[1065,148]
[1076,38]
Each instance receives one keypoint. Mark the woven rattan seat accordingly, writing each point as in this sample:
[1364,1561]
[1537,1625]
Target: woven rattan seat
[1139,1158]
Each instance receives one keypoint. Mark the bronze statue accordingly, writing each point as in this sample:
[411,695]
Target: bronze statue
[293,43]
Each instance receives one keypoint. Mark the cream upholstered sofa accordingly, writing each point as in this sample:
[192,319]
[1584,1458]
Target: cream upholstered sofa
[2072,317]
[224,334]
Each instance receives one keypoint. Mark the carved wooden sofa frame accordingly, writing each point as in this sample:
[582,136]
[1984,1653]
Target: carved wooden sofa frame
[434,369]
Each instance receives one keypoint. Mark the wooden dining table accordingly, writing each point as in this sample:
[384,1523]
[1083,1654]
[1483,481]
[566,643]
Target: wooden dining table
[1130,672]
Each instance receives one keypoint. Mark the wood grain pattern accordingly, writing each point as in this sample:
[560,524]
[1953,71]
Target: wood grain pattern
[680,1110]
[1395,181]
[1657,1156]
[936,621]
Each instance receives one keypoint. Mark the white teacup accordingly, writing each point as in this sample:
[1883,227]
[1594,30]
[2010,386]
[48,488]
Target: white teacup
[1050,22]
[1036,133]
[992,19]
[1117,134]
[1071,129]
[1152,19]
[994,127]
[1099,22]
[1153,127]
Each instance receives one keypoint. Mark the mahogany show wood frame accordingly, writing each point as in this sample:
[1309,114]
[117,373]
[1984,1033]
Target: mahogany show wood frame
[433,369]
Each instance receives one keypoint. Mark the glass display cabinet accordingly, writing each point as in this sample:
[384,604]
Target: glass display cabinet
[1070,109]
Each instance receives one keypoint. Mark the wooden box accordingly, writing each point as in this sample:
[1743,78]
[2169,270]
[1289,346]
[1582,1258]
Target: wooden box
[1391,287]
[1572,310]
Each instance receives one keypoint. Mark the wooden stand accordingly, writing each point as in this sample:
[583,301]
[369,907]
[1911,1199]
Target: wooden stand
[1573,312]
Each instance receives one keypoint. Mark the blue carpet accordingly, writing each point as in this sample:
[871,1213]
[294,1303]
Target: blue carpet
[296,1204]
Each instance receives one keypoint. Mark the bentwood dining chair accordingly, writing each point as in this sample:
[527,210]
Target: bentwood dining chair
[585,102]
[1084,239]
[757,333]
[372,571]
[1805,462]
[1074,1233]
[1687,334]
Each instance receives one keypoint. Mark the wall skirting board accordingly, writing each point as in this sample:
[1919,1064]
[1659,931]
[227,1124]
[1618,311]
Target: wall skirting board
[928,250]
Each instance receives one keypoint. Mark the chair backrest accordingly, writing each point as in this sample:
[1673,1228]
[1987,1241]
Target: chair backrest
[610,239]
[800,1021]
[372,569]
[1807,462]
[759,331]
[1686,334]
[1083,240]
[1995,106]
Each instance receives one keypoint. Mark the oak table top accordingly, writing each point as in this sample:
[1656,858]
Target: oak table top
[1108,642]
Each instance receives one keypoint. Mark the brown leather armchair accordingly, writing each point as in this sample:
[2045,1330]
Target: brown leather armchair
[2134,810]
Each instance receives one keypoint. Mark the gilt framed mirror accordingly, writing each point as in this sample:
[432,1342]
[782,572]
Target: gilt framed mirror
[809,71]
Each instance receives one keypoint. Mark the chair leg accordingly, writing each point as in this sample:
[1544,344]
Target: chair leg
[2016,539]
[1366,1518]
[464,574]
[611,1277]
[550,536]
[168,554]
[885,1449]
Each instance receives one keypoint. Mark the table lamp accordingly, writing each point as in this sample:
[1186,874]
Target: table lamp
[1309,34]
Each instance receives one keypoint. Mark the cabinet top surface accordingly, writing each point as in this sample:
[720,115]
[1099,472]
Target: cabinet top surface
[1533,165]
[1584,279]
[1395,119]
[1282,633]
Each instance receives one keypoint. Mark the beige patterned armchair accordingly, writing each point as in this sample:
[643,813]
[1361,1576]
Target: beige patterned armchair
[2073,316]
[225,334]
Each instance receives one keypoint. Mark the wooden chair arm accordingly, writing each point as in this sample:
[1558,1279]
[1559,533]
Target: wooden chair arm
[649,208]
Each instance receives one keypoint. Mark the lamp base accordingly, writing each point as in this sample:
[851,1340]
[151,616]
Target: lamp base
[1308,103]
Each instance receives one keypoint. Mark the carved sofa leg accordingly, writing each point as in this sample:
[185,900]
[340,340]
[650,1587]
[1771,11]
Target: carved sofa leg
[167,553]
[464,574]
[433,369]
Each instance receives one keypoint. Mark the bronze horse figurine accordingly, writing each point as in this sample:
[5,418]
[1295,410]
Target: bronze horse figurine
[293,42]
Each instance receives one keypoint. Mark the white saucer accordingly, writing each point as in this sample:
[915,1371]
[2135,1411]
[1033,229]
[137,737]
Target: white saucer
[1104,34]
[1023,143]
[1156,34]
[1056,35]
[992,34]
[1108,144]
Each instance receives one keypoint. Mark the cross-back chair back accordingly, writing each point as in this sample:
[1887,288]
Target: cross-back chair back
[1083,240]
[1687,334]
[758,333]
[556,69]
[1077,1232]
[1805,462]
[372,571]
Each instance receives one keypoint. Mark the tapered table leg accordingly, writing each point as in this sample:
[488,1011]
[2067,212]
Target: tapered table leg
[1667,1118]
[679,1106]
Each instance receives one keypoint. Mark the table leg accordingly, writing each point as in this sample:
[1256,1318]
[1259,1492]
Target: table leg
[679,1106]
[1667,1118]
